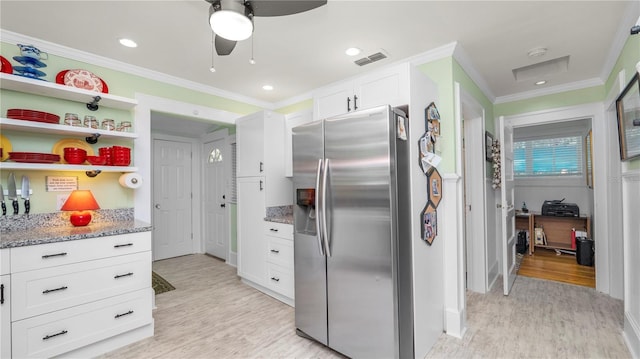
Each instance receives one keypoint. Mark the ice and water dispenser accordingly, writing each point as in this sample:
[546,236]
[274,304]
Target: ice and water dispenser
[305,211]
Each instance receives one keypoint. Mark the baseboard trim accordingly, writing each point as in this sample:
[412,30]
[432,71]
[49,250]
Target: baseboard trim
[631,335]
[284,299]
[113,343]
[233,259]
[455,323]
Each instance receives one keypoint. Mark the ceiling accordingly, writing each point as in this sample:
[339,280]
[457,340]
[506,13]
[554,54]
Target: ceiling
[300,52]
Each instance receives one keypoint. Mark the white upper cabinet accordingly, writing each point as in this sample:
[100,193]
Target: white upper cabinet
[250,145]
[292,120]
[389,86]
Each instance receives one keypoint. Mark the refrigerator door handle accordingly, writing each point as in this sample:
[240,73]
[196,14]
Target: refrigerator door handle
[318,207]
[325,232]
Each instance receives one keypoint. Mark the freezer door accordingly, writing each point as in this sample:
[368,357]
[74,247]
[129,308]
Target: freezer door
[360,283]
[309,261]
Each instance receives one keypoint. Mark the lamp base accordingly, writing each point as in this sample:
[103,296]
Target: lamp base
[80,219]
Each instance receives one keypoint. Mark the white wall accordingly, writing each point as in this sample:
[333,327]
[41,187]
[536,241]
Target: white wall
[631,234]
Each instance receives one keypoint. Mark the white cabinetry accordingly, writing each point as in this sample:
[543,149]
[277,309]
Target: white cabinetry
[292,120]
[279,238]
[70,295]
[251,243]
[5,304]
[260,146]
[387,86]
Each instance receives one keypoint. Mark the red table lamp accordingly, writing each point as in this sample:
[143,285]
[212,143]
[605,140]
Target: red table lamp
[80,201]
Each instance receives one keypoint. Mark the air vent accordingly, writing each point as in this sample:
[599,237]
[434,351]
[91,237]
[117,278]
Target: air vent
[542,69]
[371,58]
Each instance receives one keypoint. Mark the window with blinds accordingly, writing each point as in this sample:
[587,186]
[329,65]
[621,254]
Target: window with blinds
[560,156]
[234,187]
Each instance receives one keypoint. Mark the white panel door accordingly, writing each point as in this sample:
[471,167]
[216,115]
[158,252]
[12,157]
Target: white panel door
[172,199]
[215,207]
[509,272]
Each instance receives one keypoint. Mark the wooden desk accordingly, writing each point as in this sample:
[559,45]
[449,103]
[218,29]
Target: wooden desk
[556,229]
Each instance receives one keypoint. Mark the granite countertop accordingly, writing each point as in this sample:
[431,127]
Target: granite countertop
[41,235]
[287,219]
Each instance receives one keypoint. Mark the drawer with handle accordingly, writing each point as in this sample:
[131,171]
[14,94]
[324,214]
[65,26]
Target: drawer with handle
[280,280]
[281,230]
[280,251]
[61,253]
[69,329]
[46,290]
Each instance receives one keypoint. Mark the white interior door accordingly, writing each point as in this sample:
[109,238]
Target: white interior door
[215,202]
[508,209]
[172,225]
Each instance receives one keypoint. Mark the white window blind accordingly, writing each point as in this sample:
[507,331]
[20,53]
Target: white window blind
[560,156]
[234,187]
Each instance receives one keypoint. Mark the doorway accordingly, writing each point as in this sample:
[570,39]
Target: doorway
[215,155]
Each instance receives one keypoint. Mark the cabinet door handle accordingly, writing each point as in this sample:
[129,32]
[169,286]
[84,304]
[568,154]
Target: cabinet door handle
[1,293]
[62,254]
[55,290]
[275,279]
[273,229]
[355,102]
[261,185]
[275,251]
[123,245]
[123,275]
[348,104]
[261,166]
[55,335]
[123,314]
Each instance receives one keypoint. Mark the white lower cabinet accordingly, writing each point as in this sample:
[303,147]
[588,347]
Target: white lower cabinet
[279,238]
[80,298]
[5,316]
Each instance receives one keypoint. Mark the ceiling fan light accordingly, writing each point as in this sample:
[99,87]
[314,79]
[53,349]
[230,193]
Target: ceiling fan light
[231,25]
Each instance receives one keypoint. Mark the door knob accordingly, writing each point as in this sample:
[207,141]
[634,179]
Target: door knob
[223,205]
[157,206]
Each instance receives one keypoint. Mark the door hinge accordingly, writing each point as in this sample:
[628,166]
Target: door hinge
[191,235]
[191,195]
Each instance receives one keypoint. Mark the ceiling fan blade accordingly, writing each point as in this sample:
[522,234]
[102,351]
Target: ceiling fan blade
[284,7]
[224,46]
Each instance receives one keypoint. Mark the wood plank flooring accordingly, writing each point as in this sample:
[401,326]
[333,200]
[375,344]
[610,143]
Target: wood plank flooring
[212,314]
[545,264]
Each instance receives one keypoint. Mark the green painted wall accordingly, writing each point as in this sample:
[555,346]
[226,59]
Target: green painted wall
[629,57]
[441,73]
[569,98]
[299,106]
[108,192]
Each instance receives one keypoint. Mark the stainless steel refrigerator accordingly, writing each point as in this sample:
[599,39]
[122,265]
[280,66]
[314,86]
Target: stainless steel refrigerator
[352,240]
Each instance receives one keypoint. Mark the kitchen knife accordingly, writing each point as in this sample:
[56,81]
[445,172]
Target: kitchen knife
[13,193]
[4,206]
[25,194]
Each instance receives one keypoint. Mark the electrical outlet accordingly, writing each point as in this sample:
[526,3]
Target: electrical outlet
[61,199]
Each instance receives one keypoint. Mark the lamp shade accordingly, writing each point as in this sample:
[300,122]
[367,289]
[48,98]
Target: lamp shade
[231,19]
[80,201]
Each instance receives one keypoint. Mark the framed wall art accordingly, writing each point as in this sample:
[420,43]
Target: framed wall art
[628,111]
[488,145]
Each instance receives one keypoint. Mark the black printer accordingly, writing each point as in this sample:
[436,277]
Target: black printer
[560,209]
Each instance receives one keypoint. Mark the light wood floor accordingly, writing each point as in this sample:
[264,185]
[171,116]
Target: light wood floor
[546,264]
[212,314]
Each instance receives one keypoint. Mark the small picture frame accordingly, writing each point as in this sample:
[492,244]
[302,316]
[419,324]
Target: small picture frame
[429,220]
[488,145]
[434,187]
[628,111]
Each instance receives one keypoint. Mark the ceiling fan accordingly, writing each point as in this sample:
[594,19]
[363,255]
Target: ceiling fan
[232,20]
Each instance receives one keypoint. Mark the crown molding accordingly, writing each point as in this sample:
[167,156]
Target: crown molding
[578,85]
[620,38]
[467,65]
[83,56]
[437,53]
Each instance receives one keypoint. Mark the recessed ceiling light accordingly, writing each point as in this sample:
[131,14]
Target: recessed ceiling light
[542,82]
[128,42]
[353,51]
[267,87]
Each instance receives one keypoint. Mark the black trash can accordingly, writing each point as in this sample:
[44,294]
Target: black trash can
[584,251]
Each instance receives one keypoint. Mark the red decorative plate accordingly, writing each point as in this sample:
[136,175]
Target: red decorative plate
[32,115]
[60,80]
[33,157]
[5,66]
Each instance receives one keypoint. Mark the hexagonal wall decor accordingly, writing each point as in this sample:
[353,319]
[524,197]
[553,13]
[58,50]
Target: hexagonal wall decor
[429,222]
[434,187]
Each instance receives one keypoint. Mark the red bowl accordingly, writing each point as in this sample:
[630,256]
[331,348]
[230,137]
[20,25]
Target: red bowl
[96,160]
[121,162]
